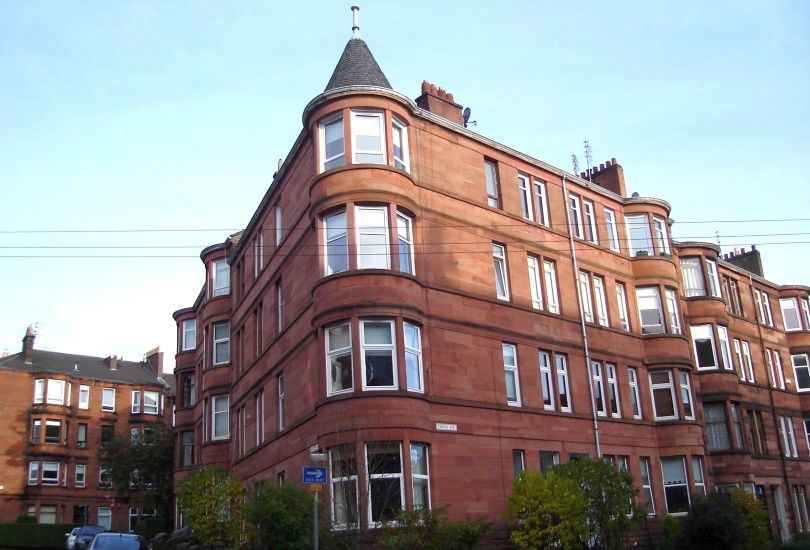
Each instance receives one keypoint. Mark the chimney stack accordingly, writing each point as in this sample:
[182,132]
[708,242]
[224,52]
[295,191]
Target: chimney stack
[608,175]
[154,360]
[440,102]
[112,362]
[28,345]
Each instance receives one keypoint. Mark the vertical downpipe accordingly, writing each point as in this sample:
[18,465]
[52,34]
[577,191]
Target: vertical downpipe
[582,326]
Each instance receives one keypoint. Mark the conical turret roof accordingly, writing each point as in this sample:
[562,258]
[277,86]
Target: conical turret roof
[357,67]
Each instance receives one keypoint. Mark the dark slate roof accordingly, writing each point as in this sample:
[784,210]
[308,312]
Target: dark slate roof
[357,67]
[92,368]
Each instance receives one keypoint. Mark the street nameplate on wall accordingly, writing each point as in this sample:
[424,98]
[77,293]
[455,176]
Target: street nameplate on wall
[442,427]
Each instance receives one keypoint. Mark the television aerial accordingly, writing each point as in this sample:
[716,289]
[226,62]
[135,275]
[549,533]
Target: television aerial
[466,117]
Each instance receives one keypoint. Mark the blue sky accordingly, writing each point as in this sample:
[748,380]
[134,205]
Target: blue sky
[173,115]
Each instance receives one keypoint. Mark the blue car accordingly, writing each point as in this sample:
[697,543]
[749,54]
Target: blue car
[118,541]
[86,535]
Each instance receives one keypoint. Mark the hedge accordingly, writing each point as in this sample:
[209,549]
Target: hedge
[39,536]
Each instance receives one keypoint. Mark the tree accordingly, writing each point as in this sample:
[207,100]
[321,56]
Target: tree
[213,503]
[547,511]
[609,501]
[734,520]
[141,468]
[282,517]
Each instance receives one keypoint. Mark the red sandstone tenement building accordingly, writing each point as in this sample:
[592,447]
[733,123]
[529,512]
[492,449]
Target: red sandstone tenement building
[436,312]
[57,409]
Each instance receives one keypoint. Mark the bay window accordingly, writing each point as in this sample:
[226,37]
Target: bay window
[399,142]
[386,490]
[150,402]
[336,242]
[649,310]
[56,392]
[368,137]
[369,140]
[714,280]
[716,426]
[222,342]
[332,148]
[405,243]
[801,370]
[339,359]
[663,395]
[343,486]
[420,474]
[693,284]
[686,396]
[189,335]
[220,417]
[221,278]
[413,357]
[639,242]
[703,341]
[661,236]
[50,473]
[621,306]
[646,485]
[676,489]
[725,347]
[790,314]
[635,396]
[672,311]
[378,355]
[372,237]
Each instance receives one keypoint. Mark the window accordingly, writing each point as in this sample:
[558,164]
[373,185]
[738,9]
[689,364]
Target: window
[613,391]
[33,473]
[337,244]
[790,314]
[697,472]
[378,354]
[714,281]
[635,396]
[548,459]
[332,148]
[413,357]
[736,422]
[806,312]
[661,237]
[540,202]
[259,399]
[84,397]
[703,341]
[801,369]
[222,278]
[501,280]
[672,311]
[189,334]
[108,399]
[279,307]
[150,402]
[646,485]
[399,139]
[491,176]
[518,462]
[53,431]
[806,423]
[756,431]
[136,402]
[725,348]
[107,434]
[663,395]
[47,515]
[105,517]
[405,243]
[563,389]
[222,342]
[787,435]
[585,297]
[693,284]
[763,305]
[220,423]
[386,491]
[510,368]
[676,489]
[187,448]
[649,310]
[50,473]
[546,386]
[775,368]
[733,300]
[133,518]
[550,275]
[534,282]
[747,367]
[339,358]
[81,436]
[39,391]
[56,392]
[189,389]
[282,398]
[639,242]
[575,215]
[258,261]
[600,301]
[420,476]
[372,237]
[621,302]
[80,475]
[368,138]
[279,228]
[343,485]
[716,427]
[525,192]
[686,395]
[612,233]
[598,388]
[590,222]
[36,431]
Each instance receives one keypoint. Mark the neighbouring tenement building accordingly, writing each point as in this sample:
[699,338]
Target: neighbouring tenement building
[57,410]
[436,312]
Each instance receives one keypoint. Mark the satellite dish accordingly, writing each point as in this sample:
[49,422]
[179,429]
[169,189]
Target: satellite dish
[466,115]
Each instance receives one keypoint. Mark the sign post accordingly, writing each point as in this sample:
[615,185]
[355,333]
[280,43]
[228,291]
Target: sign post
[315,477]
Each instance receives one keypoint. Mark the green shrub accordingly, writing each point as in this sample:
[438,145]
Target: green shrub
[150,527]
[735,520]
[426,529]
[39,536]
[213,503]
[282,517]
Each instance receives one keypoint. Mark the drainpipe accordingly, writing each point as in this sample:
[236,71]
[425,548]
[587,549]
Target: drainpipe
[583,328]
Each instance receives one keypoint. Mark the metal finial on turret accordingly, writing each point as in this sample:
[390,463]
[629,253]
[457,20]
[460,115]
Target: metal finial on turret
[355,21]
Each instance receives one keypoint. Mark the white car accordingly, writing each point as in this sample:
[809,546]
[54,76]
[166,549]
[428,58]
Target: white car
[70,539]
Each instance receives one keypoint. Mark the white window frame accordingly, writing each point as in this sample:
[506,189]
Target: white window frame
[387,475]
[525,192]
[575,213]
[380,119]
[540,202]
[511,369]
[282,400]
[806,424]
[725,347]
[340,232]
[58,439]
[563,386]
[420,477]
[546,384]
[646,485]
[221,341]
[84,397]
[390,348]
[697,473]
[220,278]
[491,179]
[56,392]
[189,340]
[805,303]
[669,385]
[80,475]
[217,409]
[644,295]
[108,399]
[703,332]
[48,466]
[586,300]
[713,278]
[136,402]
[332,354]
[417,385]
[622,308]
[501,270]
[796,360]
[105,517]
[789,447]
[400,129]
[694,283]
[788,306]
[635,394]
[324,160]
[351,478]
[33,472]
[598,389]
[601,302]
[777,363]
[748,362]
[550,278]
[365,259]
[535,285]
[279,228]
[673,485]
[634,222]
[405,243]
[612,232]
[673,313]
[589,215]
[613,400]
[661,235]
[763,304]
[148,408]
[39,391]
[518,462]
[686,395]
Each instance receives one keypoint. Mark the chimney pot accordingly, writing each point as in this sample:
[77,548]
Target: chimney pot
[613,160]
[450,97]
[582,175]
[425,86]
[601,167]
[753,247]
[433,89]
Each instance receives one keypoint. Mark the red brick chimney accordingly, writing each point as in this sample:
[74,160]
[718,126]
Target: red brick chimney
[439,102]
[28,345]
[608,175]
[154,360]
[112,362]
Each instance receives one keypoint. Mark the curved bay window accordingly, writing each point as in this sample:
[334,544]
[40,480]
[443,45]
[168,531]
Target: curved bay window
[375,137]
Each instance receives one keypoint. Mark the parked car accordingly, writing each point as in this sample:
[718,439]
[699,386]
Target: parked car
[86,534]
[118,541]
[70,538]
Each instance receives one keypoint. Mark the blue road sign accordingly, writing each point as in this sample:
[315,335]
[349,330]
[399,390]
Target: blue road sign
[314,475]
